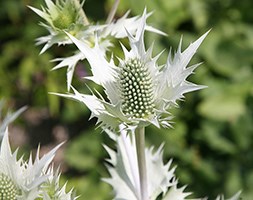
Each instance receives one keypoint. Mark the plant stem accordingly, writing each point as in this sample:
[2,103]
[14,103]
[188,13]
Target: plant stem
[112,12]
[140,149]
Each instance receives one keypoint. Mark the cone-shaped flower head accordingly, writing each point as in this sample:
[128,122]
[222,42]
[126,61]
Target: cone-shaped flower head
[20,180]
[8,189]
[136,89]
[68,15]
[139,91]
[63,15]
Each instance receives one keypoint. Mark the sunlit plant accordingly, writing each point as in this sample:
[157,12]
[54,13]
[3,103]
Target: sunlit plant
[139,91]
[136,93]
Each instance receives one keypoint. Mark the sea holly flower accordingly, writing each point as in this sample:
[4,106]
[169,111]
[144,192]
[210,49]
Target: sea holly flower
[27,180]
[102,33]
[139,92]
[20,180]
[68,15]
[63,15]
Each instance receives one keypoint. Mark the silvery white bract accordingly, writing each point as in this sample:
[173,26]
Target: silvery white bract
[124,179]
[67,15]
[139,92]
[117,28]
[51,189]
[20,180]
[103,33]
[124,172]
[10,117]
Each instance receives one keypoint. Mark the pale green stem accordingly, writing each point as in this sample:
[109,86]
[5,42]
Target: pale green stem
[140,149]
[112,12]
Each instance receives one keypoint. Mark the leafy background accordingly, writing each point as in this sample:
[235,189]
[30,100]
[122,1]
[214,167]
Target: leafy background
[212,139]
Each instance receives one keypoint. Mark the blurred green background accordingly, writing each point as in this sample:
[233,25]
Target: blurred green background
[212,139]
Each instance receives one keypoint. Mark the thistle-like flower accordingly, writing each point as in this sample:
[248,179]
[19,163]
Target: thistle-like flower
[20,180]
[68,15]
[64,15]
[139,92]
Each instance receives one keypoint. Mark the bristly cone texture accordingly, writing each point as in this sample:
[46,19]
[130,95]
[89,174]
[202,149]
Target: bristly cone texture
[136,89]
[8,189]
[139,92]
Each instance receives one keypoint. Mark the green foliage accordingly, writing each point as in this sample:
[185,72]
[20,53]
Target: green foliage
[212,139]
[85,156]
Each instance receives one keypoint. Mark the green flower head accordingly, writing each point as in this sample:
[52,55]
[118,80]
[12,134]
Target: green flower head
[8,189]
[63,15]
[136,89]
[139,92]
[68,16]
[19,179]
